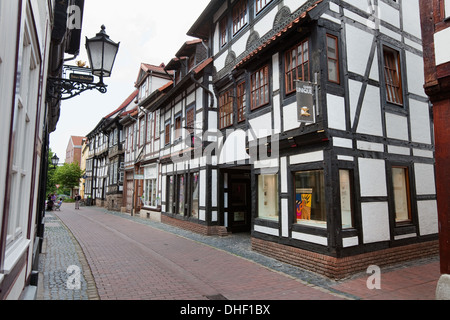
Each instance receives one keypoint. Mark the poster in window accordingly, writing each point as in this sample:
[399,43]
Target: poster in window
[303,204]
[306,111]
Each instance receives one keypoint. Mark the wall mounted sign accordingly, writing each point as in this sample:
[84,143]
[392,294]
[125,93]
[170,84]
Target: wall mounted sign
[306,111]
[81,77]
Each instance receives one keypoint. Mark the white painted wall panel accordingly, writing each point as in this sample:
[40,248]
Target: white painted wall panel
[307,157]
[425,179]
[336,112]
[420,124]
[359,43]
[372,173]
[310,238]
[266,23]
[397,127]
[428,217]
[370,117]
[375,222]
[411,18]
[294,4]
[284,218]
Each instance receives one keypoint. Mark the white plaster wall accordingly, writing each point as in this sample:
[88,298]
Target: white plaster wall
[389,14]
[375,222]
[442,46]
[372,174]
[350,242]
[234,148]
[370,117]
[239,46]
[397,126]
[310,238]
[425,179]
[428,217]
[307,157]
[420,121]
[354,93]
[266,23]
[336,112]
[416,77]
[411,18]
[203,188]
[362,5]
[266,230]
[359,44]
[260,127]
[290,120]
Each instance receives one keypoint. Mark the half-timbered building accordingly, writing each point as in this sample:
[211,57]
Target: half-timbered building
[325,147]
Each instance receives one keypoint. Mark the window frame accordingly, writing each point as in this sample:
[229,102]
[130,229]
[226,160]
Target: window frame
[178,127]
[256,91]
[289,68]
[407,171]
[226,102]
[223,31]
[393,87]
[167,133]
[241,101]
[336,59]
[258,8]
[240,16]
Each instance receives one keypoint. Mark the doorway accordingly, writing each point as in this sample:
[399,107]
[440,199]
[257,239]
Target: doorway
[237,202]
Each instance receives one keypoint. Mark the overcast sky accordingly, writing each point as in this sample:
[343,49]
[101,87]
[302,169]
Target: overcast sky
[149,31]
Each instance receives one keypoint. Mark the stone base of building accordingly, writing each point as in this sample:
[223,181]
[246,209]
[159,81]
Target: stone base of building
[195,227]
[341,268]
[151,215]
[114,202]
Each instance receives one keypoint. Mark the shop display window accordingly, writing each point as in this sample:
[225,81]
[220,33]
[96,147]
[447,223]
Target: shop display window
[268,197]
[310,208]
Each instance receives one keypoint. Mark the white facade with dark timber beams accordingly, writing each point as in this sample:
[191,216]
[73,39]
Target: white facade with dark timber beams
[359,180]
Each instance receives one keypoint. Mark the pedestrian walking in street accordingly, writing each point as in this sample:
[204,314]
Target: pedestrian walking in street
[77,202]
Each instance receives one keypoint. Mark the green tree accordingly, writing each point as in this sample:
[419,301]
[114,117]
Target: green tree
[68,176]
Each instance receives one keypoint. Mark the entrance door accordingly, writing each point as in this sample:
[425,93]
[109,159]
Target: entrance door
[239,211]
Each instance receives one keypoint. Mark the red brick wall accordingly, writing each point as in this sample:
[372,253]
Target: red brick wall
[335,268]
[194,227]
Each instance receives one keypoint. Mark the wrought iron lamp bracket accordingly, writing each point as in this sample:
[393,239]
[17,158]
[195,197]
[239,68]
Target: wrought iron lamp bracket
[64,89]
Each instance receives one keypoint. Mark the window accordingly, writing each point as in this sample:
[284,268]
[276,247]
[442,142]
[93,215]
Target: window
[170,194]
[190,119]
[241,101]
[226,109]
[400,183]
[239,16]
[223,31]
[181,187]
[178,127]
[142,132]
[260,4]
[167,133]
[150,193]
[310,198]
[345,190]
[268,197]
[333,58]
[260,88]
[392,76]
[157,124]
[150,126]
[297,65]
[194,194]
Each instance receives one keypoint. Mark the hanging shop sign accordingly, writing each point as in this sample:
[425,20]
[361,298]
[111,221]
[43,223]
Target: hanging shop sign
[306,110]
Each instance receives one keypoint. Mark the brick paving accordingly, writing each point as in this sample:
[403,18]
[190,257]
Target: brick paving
[137,259]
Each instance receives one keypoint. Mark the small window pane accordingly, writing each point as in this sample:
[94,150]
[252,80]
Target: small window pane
[401,194]
[346,199]
[268,197]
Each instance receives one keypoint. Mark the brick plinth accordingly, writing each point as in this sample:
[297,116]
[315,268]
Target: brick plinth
[195,227]
[341,268]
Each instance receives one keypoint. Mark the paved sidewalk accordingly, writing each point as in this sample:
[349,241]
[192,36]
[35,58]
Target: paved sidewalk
[137,259]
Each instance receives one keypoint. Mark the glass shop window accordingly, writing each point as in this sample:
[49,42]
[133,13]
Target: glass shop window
[268,197]
[310,198]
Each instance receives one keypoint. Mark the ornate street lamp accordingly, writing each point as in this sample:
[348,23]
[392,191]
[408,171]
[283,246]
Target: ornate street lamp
[55,161]
[102,52]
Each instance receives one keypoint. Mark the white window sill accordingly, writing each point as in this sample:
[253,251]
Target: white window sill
[13,255]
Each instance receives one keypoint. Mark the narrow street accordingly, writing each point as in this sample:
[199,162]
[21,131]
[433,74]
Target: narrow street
[128,258]
[135,261]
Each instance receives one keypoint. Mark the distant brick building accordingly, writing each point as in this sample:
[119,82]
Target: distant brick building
[74,150]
